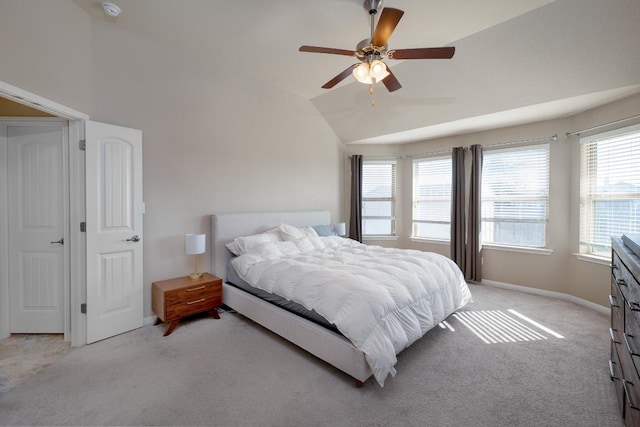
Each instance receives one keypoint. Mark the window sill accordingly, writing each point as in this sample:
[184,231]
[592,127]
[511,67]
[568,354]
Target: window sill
[520,249]
[594,259]
[380,238]
[430,241]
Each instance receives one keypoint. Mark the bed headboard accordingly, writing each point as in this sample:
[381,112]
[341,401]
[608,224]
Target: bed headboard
[226,227]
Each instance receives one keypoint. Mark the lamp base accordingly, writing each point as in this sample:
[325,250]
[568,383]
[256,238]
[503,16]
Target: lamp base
[195,276]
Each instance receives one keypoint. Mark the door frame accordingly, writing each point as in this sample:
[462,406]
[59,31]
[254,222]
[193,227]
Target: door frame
[75,320]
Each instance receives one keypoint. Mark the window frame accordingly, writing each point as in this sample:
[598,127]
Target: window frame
[393,199]
[517,198]
[587,212]
[417,200]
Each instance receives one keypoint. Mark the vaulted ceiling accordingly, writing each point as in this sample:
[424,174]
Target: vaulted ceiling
[515,62]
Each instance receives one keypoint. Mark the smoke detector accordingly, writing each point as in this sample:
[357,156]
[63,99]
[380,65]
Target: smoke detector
[110,9]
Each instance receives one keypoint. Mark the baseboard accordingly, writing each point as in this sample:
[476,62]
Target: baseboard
[597,307]
[149,321]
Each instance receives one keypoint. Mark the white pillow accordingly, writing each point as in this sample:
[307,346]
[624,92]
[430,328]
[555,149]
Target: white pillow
[248,243]
[309,232]
[234,248]
[289,232]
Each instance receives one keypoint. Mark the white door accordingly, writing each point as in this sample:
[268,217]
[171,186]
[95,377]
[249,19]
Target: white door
[36,206]
[114,230]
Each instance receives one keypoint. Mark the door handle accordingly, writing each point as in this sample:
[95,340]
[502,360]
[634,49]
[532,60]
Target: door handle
[59,242]
[135,238]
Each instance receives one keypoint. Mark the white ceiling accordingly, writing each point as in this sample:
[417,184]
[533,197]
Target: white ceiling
[260,40]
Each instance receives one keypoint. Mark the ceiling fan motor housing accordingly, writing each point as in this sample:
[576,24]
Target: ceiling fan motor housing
[372,6]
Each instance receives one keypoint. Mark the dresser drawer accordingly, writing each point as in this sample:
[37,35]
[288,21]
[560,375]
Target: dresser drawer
[194,292]
[617,312]
[617,376]
[192,306]
[628,284]
[631,408]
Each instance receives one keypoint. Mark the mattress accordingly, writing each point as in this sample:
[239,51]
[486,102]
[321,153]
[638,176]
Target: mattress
[235,280]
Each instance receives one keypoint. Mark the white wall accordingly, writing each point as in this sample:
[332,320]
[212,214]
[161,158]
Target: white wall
[560,271]
[45,48]
[212,143]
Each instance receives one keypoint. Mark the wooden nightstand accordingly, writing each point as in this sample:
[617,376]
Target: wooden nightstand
[175,299]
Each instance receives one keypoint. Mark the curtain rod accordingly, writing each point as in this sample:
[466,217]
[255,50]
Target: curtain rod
[570,134]
[430,154]
[365,157]
[553,137]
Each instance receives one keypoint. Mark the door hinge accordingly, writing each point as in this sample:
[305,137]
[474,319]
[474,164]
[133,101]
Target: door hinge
[83,227]
[83,308]
[82,145]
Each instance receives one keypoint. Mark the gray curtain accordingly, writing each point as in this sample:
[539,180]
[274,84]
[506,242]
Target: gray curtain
[458,237]
[473,270]
[355,221]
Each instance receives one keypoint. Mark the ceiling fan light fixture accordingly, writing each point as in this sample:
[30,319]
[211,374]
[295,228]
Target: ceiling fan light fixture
[378,70]
[361,73]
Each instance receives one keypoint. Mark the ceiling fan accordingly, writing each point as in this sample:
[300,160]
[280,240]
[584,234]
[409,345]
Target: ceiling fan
[371,51]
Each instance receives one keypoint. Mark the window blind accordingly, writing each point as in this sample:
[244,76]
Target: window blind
[432,198]
[609,189]
[515,195]
[378,197]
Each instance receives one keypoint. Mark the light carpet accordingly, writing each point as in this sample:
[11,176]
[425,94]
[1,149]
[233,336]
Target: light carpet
[232,372]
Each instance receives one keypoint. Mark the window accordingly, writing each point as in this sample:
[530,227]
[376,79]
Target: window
[379,198]
[432,198]
[515,196]
[609,189]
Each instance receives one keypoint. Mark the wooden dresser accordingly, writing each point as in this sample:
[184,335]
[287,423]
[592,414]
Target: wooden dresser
[174,299]
[625,330]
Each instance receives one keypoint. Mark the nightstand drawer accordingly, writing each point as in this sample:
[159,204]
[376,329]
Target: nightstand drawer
[194,292]
[192,306]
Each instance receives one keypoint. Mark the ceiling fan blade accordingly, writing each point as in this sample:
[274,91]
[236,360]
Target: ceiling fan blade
[423,53]
[391,82]
[386,24]
[340,77]
[316,49]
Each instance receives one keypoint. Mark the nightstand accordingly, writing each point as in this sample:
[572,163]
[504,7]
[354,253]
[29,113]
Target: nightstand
[174,299]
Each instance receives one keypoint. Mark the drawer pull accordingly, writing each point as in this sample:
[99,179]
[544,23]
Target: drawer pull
[612,371]
[196,301]
[613,336]
[633,306]
[195,289]
[626,343]
[612,301]
[620,282]
[632,404]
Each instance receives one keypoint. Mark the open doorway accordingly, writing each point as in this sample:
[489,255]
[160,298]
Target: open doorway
[41,193]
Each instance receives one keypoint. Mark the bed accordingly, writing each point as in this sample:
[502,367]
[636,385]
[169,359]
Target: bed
[324,342]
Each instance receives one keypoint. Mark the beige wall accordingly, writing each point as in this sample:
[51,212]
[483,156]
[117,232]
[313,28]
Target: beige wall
[560,271]
[213,142]
[45,48]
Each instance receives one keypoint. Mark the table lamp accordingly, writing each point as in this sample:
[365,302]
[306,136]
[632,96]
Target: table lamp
[195,244]
[340,229]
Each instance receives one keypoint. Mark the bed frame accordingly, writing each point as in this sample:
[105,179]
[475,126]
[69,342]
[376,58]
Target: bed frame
[327,345]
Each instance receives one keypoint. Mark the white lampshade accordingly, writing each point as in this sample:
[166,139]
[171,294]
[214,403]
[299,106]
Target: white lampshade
[340,228]
[361,73]
[378,70]
[365,73]
[194,244]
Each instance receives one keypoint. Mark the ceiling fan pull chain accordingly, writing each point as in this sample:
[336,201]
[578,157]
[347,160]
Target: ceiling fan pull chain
[371,91]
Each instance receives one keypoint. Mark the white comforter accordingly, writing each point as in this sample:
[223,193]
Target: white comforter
[381,299]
